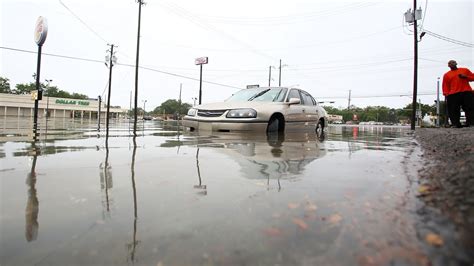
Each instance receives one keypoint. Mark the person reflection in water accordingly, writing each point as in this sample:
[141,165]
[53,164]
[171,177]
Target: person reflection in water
[32,204]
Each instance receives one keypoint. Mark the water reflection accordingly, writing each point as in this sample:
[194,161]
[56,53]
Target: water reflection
[32,204]
[133,245]
[267,157]
[200,186]
[106,181]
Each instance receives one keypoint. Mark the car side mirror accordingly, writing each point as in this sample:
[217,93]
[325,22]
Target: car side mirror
[294,101]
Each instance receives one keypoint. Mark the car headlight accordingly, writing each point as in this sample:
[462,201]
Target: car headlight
[242,113]
[192,112]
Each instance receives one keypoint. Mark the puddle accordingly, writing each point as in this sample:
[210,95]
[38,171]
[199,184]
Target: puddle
[181,198]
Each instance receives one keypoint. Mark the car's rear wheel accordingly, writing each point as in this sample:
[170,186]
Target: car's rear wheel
[320,128]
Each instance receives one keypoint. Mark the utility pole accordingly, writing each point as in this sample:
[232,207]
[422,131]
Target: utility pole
[140,3]
[349,101]
[420,113]
[437,104]
[47,102]
[129,112]
[112,60]
[98,113]
[269,76]
[180,88]
[279,76]
[413,17]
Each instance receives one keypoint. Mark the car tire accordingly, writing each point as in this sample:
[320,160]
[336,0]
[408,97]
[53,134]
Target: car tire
[320,128]
[275,125]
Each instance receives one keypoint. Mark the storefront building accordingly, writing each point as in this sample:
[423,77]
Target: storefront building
[12,105]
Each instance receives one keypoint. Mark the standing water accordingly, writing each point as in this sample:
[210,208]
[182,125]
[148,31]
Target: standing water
[168,197]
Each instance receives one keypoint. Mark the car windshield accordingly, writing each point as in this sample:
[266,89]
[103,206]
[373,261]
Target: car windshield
[259,94]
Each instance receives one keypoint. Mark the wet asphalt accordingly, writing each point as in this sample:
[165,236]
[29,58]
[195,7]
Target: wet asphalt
[447,183]
[358,196]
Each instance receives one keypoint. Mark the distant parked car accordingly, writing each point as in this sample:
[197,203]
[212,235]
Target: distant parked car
[263,109]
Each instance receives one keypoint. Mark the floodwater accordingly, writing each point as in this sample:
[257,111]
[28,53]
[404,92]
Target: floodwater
[168,197]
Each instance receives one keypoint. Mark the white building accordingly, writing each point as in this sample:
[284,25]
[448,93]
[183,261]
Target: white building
[13,105]
[335,119]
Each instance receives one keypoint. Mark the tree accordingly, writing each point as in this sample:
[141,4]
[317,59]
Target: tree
[25,88]
[79,96]
[51,91]
[172,106]
[131,111]
[5,85]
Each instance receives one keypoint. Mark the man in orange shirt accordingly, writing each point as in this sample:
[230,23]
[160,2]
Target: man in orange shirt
[459,94]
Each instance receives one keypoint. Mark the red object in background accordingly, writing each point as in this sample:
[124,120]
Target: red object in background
[355,132]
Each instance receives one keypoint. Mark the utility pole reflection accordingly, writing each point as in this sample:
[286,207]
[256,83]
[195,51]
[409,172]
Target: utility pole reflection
[32,204]
[275,140]
[132,246]
[106,181]
[200,186]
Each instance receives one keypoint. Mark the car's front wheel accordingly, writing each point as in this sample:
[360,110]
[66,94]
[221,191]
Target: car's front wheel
[276,124]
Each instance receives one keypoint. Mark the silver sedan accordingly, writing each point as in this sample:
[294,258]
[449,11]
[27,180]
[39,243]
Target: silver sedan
[270,109]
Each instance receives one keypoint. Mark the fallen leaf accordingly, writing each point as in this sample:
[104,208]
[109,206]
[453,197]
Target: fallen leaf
[272,231]
[293,205]
[311,207]
[434,239]
[424,189]
[300,223]
[335,218]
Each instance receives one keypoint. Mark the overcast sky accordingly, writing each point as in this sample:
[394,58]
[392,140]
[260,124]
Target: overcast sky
[327,47]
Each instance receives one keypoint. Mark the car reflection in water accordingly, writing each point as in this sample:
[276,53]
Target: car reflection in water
[265,157]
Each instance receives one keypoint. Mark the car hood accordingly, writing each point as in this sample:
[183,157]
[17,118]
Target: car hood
[234,105]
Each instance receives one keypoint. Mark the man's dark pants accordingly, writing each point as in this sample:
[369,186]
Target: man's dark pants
[465,100]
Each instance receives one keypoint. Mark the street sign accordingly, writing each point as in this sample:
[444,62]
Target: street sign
[41,31]
[201,61]
[34,95]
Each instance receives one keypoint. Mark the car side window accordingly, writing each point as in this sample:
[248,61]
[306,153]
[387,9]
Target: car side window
[294,94]
[308,100]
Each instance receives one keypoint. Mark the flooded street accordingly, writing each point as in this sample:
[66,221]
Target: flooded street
[76,197]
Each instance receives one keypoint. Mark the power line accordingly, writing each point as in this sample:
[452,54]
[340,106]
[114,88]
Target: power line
[80,20]
[288,19]
[378,96]
[54,55]
[181,76]
[196,20]
[129,65]
[444,38]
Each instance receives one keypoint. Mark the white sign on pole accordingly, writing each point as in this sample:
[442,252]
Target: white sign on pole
[41,31]
[201,61]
